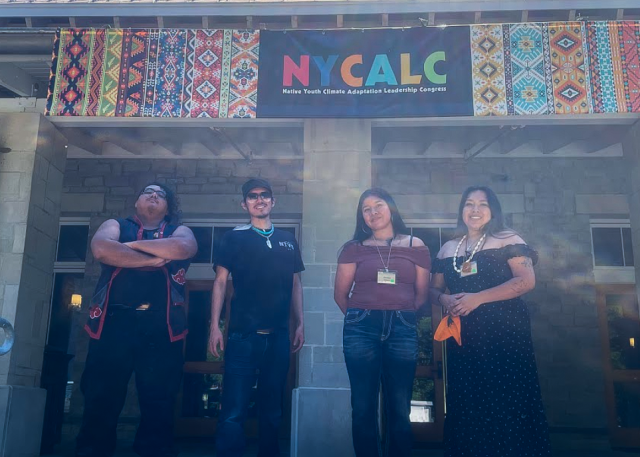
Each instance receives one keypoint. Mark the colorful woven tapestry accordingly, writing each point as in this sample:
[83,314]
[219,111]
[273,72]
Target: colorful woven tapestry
[154,73]
[559,68]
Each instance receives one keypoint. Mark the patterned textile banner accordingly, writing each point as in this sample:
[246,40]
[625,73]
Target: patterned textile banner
[477,70]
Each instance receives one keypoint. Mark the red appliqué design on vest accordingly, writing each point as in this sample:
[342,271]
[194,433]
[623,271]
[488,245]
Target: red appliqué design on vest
[95,312]
[179,277]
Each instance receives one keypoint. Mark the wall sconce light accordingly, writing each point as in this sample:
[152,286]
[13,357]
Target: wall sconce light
[632,342]
[76,301]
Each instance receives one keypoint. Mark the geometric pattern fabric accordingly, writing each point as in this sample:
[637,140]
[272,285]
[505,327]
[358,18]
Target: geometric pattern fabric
[517,69]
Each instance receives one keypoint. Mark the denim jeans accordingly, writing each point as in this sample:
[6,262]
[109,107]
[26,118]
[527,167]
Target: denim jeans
[381,346]
[249,357]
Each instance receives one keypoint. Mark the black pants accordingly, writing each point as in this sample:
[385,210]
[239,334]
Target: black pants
[131,342]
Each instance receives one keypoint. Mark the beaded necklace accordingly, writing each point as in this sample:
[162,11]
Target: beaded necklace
[265,233]
[466,265]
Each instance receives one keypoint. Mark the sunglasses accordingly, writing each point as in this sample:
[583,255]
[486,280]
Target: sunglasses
[253,196]
[160,193]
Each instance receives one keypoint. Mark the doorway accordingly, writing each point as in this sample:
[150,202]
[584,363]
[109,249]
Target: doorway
[198,404]
[619,322]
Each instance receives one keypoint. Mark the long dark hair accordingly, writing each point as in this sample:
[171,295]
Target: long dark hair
[496,225]
[362,231]
[173,203]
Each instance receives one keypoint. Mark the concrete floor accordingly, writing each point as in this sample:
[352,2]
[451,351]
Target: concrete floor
[564,446]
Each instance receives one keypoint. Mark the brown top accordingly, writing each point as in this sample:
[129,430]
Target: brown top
[367,293]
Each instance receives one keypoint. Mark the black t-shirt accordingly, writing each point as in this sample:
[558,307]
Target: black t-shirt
[133,286]
[262,277]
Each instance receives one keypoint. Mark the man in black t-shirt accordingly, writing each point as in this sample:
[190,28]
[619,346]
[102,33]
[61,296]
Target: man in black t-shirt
[265,265]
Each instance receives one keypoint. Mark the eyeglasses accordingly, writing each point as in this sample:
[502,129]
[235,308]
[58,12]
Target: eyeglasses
[159,192]
[253,196]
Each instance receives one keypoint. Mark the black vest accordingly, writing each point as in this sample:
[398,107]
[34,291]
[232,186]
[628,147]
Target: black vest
[131,229]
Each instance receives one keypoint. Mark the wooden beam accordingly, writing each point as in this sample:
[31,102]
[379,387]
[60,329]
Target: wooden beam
[432,18]
[554,142]
[572,15]
[233,143]
[340,21]
[16,79]
[116,22]
[72,22]
[294,22]
[28,22]
[602,139]
[385,19]
[620,14]
[250,22]
[477,17]
[205,22]
[83,139]
[524,17]
[513,140]
[160,20]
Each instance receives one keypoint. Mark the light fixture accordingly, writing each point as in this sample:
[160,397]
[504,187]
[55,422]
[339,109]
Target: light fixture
[632,342]
[76,301]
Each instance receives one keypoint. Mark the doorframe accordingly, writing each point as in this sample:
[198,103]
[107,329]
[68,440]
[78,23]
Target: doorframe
[618,436]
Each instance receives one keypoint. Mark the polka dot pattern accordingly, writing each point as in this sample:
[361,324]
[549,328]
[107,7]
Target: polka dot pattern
[494,406]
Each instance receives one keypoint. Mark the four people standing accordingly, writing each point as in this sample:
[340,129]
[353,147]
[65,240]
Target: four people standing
[494,407]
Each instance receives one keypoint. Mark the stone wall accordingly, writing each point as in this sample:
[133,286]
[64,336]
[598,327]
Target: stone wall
[102,189]
[549,202]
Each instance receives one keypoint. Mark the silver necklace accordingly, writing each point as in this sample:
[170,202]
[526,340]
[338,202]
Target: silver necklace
[386,266]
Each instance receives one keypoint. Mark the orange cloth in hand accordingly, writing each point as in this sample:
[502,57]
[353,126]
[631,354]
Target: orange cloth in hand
[449,327]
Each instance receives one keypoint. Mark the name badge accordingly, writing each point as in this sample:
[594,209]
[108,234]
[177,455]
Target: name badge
[468,269]
[387,277]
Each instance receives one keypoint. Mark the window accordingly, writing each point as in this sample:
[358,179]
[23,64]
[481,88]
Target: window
[73,241]
[433,235]
[612,245]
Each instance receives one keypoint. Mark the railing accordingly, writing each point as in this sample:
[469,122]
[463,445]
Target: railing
[9,336]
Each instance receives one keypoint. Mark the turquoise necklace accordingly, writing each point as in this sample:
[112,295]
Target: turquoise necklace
[265,233]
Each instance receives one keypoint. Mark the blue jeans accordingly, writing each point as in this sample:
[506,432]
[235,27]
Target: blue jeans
[250,357]
[381,346]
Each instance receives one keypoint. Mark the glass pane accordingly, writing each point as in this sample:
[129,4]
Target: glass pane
[430,237]
[628,247]
[627,404]
[607,246]
[425,338]
[204,237]
[64,286]
[201,396]
[72,243]
[423,400]
[218,234]
[447,234]
[624,331]
[291,230]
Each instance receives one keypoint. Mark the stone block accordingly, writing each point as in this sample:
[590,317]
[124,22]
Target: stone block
[9,184]
[314,328]
[12,212]
[20,131]
[82,203]
[328,354]
[321,422]
[21,420]
[319,299]
[602,204]
[327,135]
[329,375]
[316,276]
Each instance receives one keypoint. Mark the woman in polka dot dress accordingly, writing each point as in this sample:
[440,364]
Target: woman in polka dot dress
[494,407]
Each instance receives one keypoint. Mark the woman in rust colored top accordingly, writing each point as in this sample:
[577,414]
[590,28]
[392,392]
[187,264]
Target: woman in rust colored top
[382,279]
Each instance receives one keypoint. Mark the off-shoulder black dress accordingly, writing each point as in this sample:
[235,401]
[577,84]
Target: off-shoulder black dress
[494,407]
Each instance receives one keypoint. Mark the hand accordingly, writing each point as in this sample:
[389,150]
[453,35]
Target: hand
[298,339]
[465,304]
[216,339]
[447,301]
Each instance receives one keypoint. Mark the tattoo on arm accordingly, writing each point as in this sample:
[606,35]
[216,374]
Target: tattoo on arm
[519,286]
[527,262]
